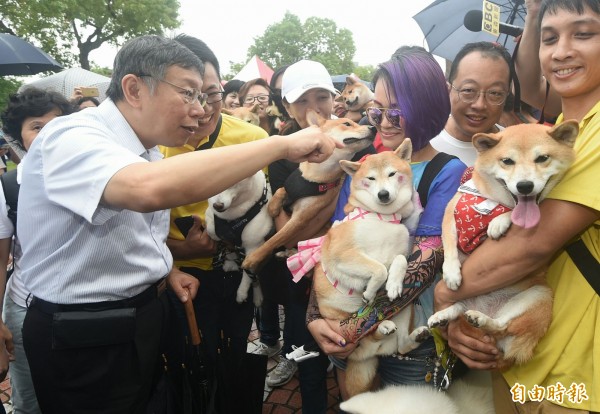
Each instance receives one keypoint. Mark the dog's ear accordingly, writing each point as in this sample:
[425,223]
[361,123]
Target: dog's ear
[349,167]
[566,132]
[483,142]
[314,118]
[351,80]
[404,151]
[255,108]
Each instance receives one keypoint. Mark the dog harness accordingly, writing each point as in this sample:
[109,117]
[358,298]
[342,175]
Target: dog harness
[298,187]
[309,251]
[231,230]
[473,214]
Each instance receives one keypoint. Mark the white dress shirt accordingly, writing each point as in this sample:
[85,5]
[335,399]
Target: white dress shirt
[76,250]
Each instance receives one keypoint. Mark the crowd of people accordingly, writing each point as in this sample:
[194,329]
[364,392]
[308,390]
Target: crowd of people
[111,239]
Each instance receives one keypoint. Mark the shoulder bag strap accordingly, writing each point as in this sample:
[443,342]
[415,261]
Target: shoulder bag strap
[212,137]
[585,262]
[431,171]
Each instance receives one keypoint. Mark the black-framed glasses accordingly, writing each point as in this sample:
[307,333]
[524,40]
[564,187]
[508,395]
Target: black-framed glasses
[189,95]
[393,115]
[470,95]
[260,98]
[214,97]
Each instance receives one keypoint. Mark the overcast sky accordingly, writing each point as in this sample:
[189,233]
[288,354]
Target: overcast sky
[229,27]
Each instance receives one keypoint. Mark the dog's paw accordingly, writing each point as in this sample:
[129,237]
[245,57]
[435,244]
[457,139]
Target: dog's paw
[499,226]
[387,327]
[476,318]
[241,296]
[251,262]
[437,319]
[394,289]
[451,273]
[285,254]
[230,266]
[421,334]
[368,297]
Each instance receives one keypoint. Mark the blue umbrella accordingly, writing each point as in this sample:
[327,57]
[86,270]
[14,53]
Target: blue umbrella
[18,57]
[442,22]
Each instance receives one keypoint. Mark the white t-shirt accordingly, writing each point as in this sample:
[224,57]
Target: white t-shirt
[465,151]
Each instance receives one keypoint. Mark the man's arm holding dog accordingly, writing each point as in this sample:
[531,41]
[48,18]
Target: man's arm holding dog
[499,263]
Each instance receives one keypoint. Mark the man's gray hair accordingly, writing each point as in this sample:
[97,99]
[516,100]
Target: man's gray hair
[151,56]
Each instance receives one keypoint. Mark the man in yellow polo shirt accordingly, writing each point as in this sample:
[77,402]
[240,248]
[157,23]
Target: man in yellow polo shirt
[221,319]
[564,374]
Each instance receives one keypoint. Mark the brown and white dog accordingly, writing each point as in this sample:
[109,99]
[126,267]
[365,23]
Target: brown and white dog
[356,96]
[368,250]
[515,169]
[249,115]
[325,178]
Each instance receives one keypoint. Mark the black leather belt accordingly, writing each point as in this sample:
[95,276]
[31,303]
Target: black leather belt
[139,300]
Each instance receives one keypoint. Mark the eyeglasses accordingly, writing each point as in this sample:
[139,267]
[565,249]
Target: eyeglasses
[393,115]
[470,95]
[260,98]
[190,96]
[214,97]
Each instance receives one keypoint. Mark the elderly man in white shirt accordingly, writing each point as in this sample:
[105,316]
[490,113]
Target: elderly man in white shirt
[94,253]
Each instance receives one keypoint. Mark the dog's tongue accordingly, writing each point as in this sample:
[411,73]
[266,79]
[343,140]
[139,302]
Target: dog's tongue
[526,213]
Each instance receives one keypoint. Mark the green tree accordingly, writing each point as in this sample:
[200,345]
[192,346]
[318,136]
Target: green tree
[69,30]
[365,72]
[317,39]
[8,86]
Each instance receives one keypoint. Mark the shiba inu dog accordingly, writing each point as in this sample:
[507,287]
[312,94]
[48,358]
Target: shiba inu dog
[323,180]
[249,115]
[368,250]
[356,96]
[471,394]
[239,216]
[515,169]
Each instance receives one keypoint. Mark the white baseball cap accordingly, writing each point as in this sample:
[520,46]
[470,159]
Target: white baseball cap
[303,76]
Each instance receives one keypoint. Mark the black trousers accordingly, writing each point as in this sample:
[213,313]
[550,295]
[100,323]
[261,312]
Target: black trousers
[109,379]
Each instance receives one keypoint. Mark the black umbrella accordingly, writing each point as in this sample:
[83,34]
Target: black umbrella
[442,22]
[196,384]
[18,57]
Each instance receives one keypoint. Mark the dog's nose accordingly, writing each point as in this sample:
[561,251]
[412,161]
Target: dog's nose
[525,187]
[384,195]
[219,207]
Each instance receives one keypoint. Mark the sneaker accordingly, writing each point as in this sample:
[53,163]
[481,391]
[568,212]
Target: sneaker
[283,373]
[264,349]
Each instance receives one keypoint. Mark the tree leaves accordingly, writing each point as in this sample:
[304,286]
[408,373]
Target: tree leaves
[319,39]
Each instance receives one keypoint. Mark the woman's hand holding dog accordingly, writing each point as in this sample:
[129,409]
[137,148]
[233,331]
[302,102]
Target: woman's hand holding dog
[330,341]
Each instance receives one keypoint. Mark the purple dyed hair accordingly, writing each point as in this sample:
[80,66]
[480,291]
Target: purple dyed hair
[418,86]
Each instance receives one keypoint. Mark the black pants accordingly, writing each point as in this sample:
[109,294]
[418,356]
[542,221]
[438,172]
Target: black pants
[103,379]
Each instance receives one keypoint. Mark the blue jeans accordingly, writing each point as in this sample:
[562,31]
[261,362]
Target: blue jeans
[411,370]
[23,395]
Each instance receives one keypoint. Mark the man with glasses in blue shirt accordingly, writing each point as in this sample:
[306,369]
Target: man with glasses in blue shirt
[478,83]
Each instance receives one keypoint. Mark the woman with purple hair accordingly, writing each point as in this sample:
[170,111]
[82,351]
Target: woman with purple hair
[411,100]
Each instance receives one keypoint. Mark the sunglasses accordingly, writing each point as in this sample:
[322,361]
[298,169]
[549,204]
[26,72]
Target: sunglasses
[393,115]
